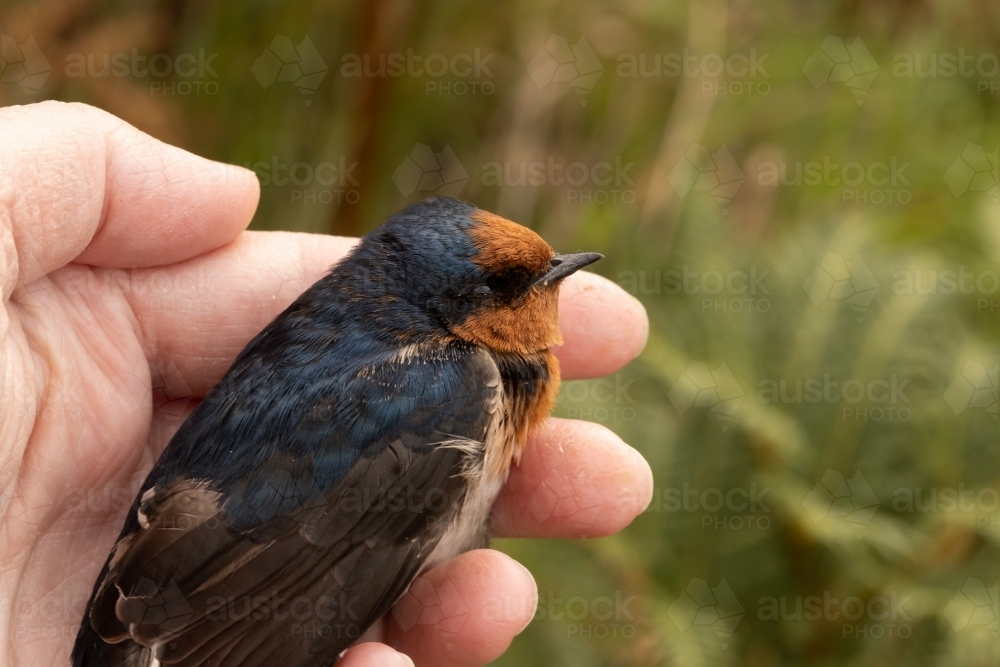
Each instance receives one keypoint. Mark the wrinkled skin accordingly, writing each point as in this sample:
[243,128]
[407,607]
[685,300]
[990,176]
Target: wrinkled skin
[129,285]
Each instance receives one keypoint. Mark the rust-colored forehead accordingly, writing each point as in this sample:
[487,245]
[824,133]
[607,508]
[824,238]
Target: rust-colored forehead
[504,244]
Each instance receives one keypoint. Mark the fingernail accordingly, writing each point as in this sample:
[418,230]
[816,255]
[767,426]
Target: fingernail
[644,482]
[645,334]
[530,579]
[403,660]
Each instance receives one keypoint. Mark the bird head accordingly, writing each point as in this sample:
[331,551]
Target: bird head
[486,279]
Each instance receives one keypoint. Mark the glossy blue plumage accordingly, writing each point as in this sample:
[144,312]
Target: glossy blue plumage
[346,443]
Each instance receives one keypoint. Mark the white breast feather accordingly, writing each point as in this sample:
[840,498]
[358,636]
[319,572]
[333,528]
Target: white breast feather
[469,529]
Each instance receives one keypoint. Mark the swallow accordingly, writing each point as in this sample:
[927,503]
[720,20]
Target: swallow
[360,439]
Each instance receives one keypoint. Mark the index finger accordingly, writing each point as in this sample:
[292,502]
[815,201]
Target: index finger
[78,184]
[191,342]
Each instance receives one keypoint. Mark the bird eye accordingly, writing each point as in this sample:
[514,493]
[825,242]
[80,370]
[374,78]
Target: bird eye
[481,290]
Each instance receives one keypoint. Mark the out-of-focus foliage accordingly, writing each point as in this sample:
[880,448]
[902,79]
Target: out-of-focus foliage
[826,345]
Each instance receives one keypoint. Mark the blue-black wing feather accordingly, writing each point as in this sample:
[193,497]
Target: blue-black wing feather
[331,491]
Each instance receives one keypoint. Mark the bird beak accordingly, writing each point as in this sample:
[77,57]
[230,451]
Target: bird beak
[565,265]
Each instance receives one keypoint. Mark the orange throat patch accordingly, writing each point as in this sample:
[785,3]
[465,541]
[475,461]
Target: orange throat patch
[524,331]
[522,414]
[531,325]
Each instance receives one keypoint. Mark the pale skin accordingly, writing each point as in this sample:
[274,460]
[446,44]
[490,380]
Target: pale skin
[124,267]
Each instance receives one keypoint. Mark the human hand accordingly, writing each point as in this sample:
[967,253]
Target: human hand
[129,286]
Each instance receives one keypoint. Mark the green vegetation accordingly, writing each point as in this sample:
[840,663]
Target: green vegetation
[817,246]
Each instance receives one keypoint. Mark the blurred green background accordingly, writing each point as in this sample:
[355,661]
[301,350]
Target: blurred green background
[803,194]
